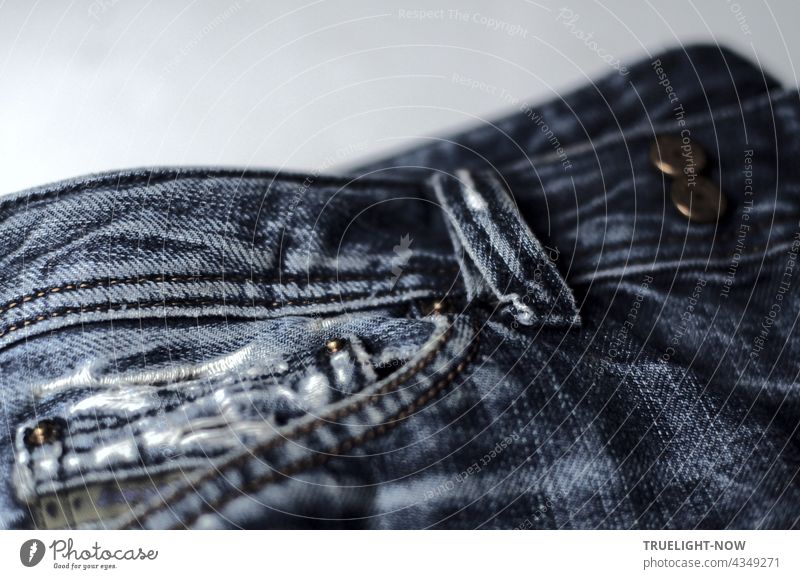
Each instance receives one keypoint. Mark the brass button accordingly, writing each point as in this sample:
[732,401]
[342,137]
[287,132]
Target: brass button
[45,431]
[702,201]
[676,156]
[334,345]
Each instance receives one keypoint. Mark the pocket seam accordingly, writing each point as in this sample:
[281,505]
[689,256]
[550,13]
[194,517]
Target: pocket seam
[304,429]
[323,457]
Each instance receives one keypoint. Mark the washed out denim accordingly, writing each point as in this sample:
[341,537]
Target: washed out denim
[512,327]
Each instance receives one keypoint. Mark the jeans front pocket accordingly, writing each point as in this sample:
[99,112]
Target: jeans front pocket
[103,442]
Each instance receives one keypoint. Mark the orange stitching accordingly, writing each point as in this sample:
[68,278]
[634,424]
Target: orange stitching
[104,308]
[323,457]
[181,492]
[159,278]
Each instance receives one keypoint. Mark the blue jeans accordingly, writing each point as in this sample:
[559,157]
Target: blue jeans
[581,315]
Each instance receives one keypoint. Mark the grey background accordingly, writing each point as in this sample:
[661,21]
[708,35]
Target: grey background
[94,85]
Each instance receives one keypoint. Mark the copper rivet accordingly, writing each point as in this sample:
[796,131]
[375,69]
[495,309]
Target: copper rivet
[674,156]
[44,432]
[334,345]
[702,201]
[434,308]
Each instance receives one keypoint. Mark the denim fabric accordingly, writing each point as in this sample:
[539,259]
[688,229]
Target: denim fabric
[508,328]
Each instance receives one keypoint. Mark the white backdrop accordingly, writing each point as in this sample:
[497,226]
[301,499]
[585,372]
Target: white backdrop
[103,84]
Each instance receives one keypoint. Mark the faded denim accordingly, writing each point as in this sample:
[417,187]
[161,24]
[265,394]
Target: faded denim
[509,328]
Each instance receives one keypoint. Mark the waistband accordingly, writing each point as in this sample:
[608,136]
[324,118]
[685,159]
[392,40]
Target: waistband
[526,234]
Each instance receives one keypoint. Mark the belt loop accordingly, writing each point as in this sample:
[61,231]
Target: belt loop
[499,253]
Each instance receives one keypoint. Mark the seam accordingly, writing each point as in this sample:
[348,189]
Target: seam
[321,458]
[162,278]
[138,306]
[154,177]
[295,433]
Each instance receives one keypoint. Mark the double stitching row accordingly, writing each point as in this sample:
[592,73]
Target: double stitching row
[294,434]
[319,459]
[104,308]
[160,278]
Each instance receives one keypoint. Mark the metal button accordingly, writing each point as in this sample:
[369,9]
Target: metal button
[676,156]
[45,431]
[702,201]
